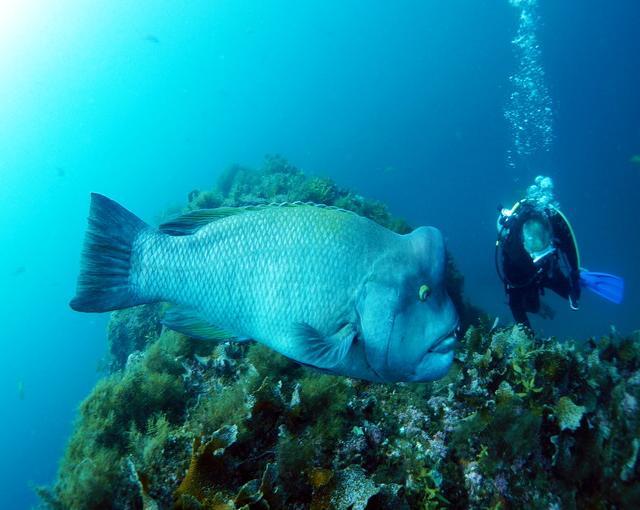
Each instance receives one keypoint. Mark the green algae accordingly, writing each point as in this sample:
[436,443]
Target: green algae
[568,414]
[488,435]
[127,412]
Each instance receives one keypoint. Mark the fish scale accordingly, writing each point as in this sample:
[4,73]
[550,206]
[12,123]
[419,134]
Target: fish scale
[257,273]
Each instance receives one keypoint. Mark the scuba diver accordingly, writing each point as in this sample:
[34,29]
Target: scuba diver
[537,250]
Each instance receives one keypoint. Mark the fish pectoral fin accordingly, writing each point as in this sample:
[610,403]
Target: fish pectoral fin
[187,321]
[324,351]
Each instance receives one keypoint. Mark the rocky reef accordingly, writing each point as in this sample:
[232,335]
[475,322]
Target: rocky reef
[519,422]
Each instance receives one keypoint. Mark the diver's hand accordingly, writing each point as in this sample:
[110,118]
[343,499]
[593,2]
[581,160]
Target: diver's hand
[573,303]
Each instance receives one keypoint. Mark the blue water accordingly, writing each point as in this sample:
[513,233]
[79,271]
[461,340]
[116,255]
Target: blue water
[401,101]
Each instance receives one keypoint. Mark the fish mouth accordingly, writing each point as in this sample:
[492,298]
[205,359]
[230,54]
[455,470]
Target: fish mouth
[437,360]
[445,343]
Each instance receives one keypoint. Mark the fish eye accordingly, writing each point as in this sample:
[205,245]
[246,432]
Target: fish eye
[424,292]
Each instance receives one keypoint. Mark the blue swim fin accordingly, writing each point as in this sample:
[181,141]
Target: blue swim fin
[605,285]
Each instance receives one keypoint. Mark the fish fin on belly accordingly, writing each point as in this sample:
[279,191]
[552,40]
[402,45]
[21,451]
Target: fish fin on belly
[323,351]
[187,321]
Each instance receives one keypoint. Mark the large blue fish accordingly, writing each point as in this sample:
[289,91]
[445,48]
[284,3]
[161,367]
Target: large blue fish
[321,285]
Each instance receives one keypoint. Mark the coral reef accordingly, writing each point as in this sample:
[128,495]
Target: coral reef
[131,330]
[518,422]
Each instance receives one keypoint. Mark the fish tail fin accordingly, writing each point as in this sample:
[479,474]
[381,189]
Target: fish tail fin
[105,266]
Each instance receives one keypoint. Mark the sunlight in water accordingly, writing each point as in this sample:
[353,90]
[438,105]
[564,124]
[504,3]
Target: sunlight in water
[17,20]
[24,25]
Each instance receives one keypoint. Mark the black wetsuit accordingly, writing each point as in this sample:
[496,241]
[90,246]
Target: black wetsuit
[525,281]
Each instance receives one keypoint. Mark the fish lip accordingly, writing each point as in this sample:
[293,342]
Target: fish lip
[442,353]
[445,343]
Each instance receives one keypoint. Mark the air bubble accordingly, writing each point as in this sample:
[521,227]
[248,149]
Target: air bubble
[529,109]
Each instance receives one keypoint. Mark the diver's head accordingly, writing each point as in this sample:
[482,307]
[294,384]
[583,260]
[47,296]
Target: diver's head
[536,235]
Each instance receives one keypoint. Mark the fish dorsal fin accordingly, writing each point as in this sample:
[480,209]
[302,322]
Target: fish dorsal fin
[311,204]
[192,221]
[322,351]
[188,322]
